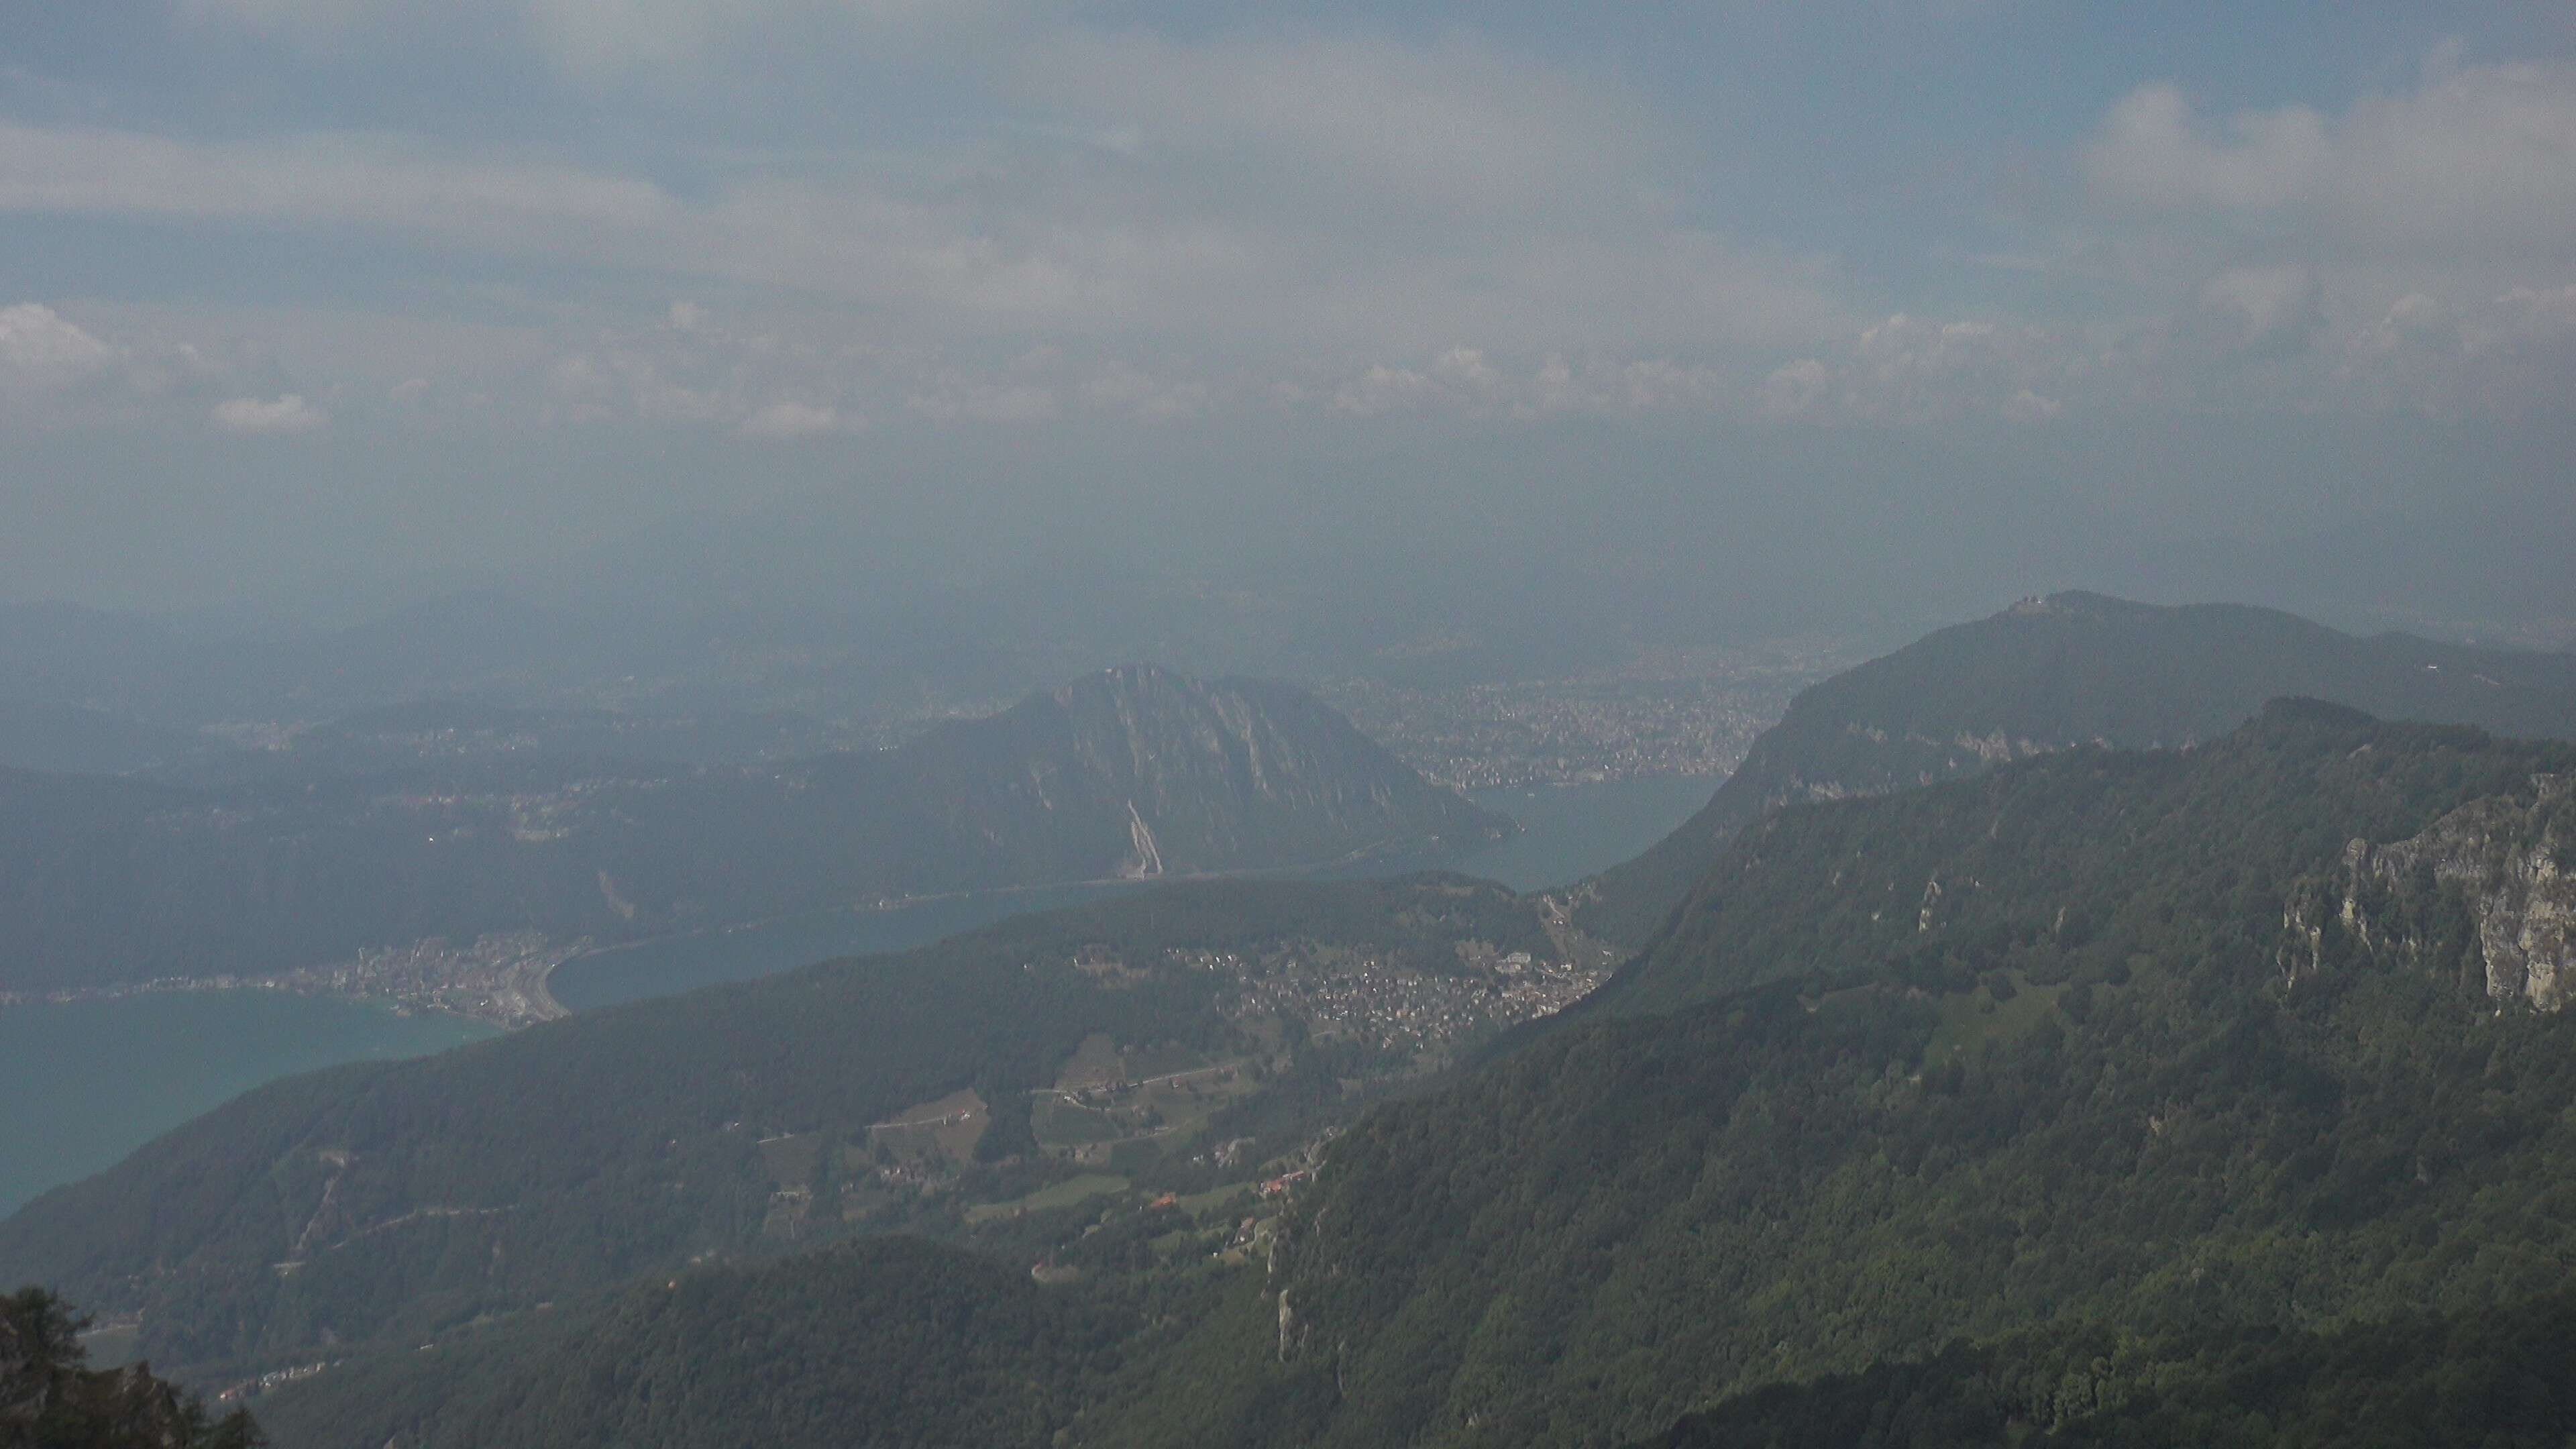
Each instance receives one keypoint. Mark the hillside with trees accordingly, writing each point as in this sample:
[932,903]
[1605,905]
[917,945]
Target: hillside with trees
[383,1202]
[2072,669]
[2108,1090]
[889,1341]
[2132,1133]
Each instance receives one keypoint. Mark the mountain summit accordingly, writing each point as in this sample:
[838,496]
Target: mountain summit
[2069,669]
[1133,773]
[1141,772]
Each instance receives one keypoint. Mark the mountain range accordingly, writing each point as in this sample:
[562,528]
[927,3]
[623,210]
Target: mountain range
[1133,773]
[2059,1154]
[2052,1053]
[2068,669]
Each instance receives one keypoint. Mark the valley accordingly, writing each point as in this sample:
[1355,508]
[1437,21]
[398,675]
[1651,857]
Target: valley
[1350,1161]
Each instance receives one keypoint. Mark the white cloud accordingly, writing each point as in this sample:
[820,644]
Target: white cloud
[2026,406]
[1473,382]
[2153,150]
[287,415]
[1451,126]
[591,41]
[2473,159]
[39,349]
[2261,310]
[1796,389]
[1912,370]
[1122,387]
[55,372]
[959,398]
[791,419]
[1352,196]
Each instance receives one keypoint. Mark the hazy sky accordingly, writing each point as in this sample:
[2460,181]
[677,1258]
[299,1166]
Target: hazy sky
[300,292]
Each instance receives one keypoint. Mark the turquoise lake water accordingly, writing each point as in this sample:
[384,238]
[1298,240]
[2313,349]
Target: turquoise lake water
[85,1083]
[82,1085]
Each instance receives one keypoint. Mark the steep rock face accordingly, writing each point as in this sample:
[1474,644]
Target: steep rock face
[2072,669]
[2489,890]
[1141,772]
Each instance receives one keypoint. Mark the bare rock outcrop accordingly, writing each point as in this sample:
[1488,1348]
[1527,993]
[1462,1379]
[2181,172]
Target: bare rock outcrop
[2489,888]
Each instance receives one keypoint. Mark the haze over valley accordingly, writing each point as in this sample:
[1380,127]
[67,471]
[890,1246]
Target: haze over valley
[840,723]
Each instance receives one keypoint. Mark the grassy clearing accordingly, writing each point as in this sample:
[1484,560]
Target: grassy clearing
[945,1127]
[1095,1063]
[790,1160]
[1063,1194]
[1976,1017]
[1200,1204]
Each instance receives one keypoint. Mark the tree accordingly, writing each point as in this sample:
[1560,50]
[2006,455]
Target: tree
[51,1399]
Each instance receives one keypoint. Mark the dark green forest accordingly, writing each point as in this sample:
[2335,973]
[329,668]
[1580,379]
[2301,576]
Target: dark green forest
[889,1341]
[2481,1380]
[51,1398]
[1990,1126]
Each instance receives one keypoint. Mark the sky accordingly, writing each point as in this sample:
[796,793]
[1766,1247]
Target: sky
[324,304]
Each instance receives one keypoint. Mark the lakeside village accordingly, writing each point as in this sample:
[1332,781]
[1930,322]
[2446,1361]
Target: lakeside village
[499,979]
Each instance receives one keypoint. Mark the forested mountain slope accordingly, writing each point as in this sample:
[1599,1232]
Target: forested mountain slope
[2473,1380]
[2213,1093]
[382,1202]
[888,1341]
[2071,669]
[1134,772]
[2120,1076]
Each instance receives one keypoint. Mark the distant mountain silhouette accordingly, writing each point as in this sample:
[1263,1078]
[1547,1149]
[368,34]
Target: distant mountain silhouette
[2073,668]
[1131,773]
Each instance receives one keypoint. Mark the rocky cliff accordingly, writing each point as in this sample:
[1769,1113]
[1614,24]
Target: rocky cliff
[2488,891]
[1141,772]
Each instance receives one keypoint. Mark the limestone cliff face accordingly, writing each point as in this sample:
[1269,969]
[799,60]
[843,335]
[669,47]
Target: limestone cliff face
[1141,772]
[2488,890]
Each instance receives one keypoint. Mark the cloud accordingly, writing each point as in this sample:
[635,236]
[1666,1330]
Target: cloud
[2155,152]
[1913,370]
[1355,195]
[790,419]
[57,372]
[1122,387]
[2473,159]
[373,182]
[1796,389]
[2026,406]
[592,42]
[39,349]
[1476,383]
[2267,311]
[287,415]
[959,398]
[1450,126]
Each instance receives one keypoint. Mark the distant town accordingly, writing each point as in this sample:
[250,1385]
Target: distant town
[1667,713]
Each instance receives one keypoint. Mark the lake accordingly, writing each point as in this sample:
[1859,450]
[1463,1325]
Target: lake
[88,1082]
[1569,831]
